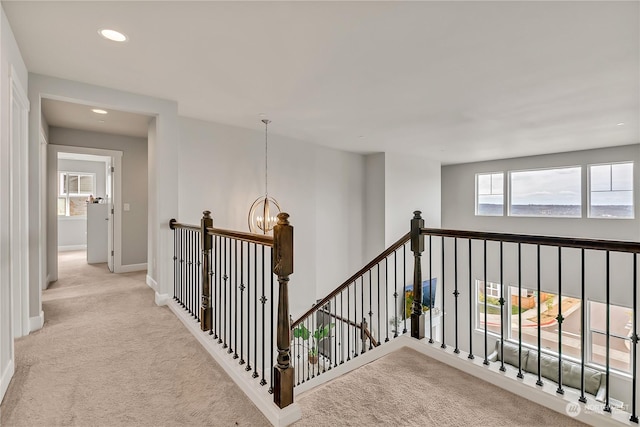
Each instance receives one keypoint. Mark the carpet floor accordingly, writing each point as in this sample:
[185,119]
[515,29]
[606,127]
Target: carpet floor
[108,356]
[406,388]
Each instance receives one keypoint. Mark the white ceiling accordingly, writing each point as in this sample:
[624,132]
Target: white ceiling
[79,116]
[455,81]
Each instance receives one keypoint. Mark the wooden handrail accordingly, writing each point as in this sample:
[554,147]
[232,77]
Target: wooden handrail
[173,224]
[352,323]
[240,235]
[404,239]
[565,242]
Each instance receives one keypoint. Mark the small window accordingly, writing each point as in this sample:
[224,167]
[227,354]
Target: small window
[490,194]
[611,190]
[493,306]
[73,190]
[546,192]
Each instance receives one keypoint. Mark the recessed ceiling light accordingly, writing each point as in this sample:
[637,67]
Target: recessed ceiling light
[100,121]
[99,111]
[621,124]
[112,35]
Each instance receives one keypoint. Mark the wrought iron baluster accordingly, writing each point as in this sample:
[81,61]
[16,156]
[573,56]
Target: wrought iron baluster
[560,319]
[396,322]
[443,344]
[583,325]
[456,294]
[370,308]
[255,312]
[404,283]
[486,323]
[607,403]
[263,301]
[386,299]
[502,301]
[273,320]
[634,341]
[539,279]
[470,356]
[431,304]
[242,289]
[520,375]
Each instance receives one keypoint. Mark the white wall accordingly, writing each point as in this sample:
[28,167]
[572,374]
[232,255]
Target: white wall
[162,197]
[134,188]
[73,231]
[222,170]
[374,219]
[10,57]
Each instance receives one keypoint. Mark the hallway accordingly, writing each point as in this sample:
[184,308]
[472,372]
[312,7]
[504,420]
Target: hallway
[107,355]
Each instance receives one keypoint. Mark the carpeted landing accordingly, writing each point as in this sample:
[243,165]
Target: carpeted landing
[406,388]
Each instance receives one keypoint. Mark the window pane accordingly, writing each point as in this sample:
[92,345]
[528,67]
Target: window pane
[496,183]
[484,183]
[548,321]
[62,206]
[548,192]
[611,194]
[78,206]
[72,184]
[86,184]
[600,178]
[619,344]
[622,176]
[490,198]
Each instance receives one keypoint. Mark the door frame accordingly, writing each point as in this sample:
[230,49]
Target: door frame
[52,232]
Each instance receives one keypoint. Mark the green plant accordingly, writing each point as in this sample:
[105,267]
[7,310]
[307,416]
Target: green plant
[320,333]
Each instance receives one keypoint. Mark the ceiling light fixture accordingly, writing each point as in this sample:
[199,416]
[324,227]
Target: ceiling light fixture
[621,124]
[263,215]
[113,35]
[99,111]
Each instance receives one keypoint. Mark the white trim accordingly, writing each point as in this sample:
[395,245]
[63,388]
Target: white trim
[6,378]
[36,323]
[128,268]
[152,283]
[258,395]
[72,248]
[162,299]
[116,157]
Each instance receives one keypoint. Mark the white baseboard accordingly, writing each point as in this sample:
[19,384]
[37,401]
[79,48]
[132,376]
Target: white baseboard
[152,283]
[162,299]
[5,379]
[263,400]
[36,323]
[72,248]
[128,268]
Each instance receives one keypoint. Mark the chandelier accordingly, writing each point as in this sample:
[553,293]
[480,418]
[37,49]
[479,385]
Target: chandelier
[263,215]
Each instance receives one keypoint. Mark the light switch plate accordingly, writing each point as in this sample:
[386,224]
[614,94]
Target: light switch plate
[127,207]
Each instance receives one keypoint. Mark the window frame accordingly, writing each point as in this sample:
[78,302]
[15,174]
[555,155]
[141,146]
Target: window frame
[68,195]
[590,191]
[477,192]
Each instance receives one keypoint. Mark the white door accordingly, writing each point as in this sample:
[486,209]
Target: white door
[110,214]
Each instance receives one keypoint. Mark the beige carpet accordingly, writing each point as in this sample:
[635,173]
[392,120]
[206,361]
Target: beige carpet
[108,356]
[406,388]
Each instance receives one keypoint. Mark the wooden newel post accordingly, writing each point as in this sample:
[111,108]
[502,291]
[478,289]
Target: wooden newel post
[417,247]
[282,267]
[206,240]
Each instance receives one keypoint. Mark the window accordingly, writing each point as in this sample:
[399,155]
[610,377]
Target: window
[546,192]
[73,190]
[490,194]
[621,327]
[523,307]
[611,190]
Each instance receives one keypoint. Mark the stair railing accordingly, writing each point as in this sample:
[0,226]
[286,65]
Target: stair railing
[225,280]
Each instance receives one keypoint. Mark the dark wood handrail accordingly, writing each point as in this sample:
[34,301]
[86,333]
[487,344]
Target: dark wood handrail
[240,235]
[352,323]
[174,224]
[566,242]
[404,239]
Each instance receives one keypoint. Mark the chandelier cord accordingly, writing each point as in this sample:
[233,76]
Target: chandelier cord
[266,157]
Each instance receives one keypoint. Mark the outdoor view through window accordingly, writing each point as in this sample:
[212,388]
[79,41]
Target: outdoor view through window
[546,192]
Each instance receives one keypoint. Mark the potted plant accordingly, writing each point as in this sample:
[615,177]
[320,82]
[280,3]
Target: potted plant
[319,334]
